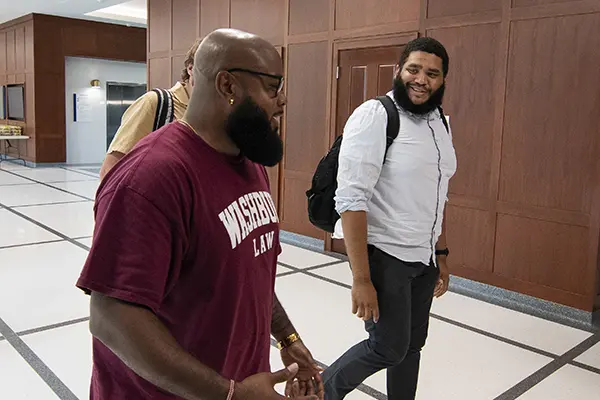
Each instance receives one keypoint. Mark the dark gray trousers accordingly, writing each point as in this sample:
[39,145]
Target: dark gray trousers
[405,293]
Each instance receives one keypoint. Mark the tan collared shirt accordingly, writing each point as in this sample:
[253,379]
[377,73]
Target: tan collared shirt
[138,119]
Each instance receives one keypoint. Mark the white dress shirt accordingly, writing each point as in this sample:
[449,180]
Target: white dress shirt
[405,198]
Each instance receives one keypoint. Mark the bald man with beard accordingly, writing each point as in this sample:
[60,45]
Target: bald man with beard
[182,267]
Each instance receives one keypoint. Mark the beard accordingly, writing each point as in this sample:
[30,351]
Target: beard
[401,96]
[249,127]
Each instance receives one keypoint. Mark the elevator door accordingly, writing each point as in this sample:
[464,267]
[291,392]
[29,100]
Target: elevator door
[119,96]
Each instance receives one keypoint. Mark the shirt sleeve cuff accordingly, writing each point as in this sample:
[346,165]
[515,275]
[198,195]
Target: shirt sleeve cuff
[341,206]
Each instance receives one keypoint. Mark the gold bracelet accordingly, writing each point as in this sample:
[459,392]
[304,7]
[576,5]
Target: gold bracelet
[287,342]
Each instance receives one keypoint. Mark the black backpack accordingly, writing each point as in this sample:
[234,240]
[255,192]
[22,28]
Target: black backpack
[321,204]
[165,110]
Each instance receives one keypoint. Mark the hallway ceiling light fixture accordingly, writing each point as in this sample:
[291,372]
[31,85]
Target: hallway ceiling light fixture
[95,83]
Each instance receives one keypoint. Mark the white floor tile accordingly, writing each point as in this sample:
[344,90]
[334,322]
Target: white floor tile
[302,258]
[82,188]
[332,329]
[18,380]
[73,220]
[38,285]
[23,195]
[457,364]
[282,270]
[68,353]
[15,230]
[10,166]
[340,273]
[87,242]
[591,357]
[10,179]
[536,332]
[53,175]
[507,323]
[568,383]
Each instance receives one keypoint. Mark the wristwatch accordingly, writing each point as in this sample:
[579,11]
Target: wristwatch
[443,252]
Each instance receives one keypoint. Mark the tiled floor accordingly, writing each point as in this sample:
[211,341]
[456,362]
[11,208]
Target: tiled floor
[475,350]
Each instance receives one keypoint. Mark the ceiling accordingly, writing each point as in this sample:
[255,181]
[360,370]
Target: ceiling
[125,12]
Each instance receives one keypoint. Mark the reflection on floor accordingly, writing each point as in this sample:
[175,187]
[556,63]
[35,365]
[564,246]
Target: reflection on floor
[475,350]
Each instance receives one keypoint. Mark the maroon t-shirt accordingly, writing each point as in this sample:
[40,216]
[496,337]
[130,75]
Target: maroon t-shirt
[193,235]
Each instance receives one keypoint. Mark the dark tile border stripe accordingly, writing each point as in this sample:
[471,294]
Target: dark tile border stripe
[57,386]
[16,184]
[86,173]
[528,383]
[434,316]
[363,388]
[48,185]
[494,336]
[52,204]
[585,366]
[490,294]
[53,231]
[12,246]
[53,326]
[296,270]
[32,183]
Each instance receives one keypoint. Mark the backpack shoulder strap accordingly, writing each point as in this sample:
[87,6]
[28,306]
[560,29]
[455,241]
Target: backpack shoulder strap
[164,108]
[443,117]
[393,122]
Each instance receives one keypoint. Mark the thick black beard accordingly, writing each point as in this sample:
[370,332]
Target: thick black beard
[401,96]
[248,126]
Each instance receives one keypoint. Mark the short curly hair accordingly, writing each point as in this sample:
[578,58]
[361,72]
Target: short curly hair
[427,45]
[189,60]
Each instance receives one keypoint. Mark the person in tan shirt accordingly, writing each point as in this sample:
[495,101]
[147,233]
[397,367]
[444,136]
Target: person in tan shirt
[138,120]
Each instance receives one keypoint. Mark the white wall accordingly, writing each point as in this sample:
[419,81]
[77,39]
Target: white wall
[86,140]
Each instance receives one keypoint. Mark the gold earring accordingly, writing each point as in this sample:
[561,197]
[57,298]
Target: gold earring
[231,101]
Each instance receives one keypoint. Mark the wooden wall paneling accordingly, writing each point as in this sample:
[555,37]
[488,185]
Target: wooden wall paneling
[3,53]
[30,99]
[78,39]
[308,16]
[176,68]
[186,24]
[11,64]
[390,29]
[48,50]
[261,17]
[351,14]
[20,50]
[29,47]
[459,21]
[471,236]
[214,14]
[555,9]
[159,16]
[575,300]
[305,130]
[471,91]
[159,70]
[532,3]
[544,253]
[117,43]
[549,158]
[446,8]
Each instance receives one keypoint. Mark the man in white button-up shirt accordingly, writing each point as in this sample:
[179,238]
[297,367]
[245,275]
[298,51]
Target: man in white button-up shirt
[391,219]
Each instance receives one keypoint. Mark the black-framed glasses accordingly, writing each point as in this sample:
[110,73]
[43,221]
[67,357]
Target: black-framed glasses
[279,78]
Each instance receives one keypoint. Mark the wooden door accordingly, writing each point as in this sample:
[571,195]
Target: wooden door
[363,74]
